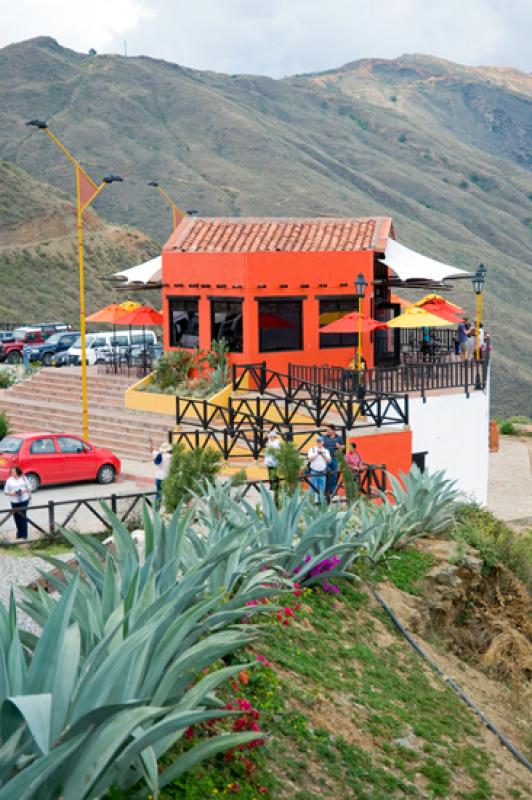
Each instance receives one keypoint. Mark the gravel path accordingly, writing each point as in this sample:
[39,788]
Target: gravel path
[510,480]
[18,571]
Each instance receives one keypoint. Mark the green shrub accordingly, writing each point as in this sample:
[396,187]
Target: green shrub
[173,368]
[7,379]
[289,465]
[216,359]
[189,468]
[351,487]
[507,428]
[495,541]
[4,424]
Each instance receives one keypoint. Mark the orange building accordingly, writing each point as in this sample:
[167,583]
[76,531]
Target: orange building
[267,285]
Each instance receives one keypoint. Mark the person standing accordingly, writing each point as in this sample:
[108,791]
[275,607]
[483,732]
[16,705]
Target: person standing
[271,461]
[18,490]
[463,337]
[162,458]
[318,461]
[354,461]
[331,442]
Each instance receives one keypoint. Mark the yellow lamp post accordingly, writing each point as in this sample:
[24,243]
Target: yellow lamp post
[86,191]
[177,212]
[478,286]
[360,291]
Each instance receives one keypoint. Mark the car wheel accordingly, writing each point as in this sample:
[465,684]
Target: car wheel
[33,481]
[47,359]
[14,357]
[106,474]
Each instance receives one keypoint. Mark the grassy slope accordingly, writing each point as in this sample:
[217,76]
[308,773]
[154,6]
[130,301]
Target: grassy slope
[440,147]
[38,252]
[344,689]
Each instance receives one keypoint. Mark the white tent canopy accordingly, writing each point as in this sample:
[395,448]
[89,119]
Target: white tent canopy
[409,265]
[149,272]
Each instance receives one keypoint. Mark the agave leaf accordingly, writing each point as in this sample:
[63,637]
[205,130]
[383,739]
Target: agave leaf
[211,747]
[36,711]
[27,784]
[9,752]
[65,679]
[45,660]
[100,748]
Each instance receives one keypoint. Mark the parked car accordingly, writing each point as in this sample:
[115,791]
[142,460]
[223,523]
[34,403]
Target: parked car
[70,357]
[56,458]
[101,344]
[12,351]
[56,343]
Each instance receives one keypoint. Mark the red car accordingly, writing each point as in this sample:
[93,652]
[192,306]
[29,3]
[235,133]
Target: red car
[56,458]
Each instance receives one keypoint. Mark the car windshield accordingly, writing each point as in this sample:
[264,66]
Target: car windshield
[54,338]
[10,444]
[77,344]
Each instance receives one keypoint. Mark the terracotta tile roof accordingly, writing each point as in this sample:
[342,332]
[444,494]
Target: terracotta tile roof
[270,234]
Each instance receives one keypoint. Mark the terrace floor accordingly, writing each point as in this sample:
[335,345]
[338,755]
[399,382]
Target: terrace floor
[510,481]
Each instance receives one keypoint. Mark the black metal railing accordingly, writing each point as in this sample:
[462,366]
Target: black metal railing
[298,392]
[371,481]
[52,510]
[418,376]
[245,442]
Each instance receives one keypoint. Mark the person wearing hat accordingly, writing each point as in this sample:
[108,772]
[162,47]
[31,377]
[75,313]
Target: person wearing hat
[318,462]
[271,461]
[162,458]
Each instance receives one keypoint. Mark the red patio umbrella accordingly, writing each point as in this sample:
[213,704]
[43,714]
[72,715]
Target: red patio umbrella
[350,323]
[143,315]
[443,310]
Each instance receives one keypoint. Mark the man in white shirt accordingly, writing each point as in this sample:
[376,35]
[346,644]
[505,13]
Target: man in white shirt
[318,462]
[271,461]
[18,490]
[162,459]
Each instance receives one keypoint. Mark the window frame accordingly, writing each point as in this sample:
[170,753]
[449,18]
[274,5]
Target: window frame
[300,327]
[185,299]
[240,300]
[339,298]
[53,452]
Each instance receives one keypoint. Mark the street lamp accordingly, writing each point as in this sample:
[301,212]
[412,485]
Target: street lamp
[177,213]
[478,286]
[86,191]
[360,291]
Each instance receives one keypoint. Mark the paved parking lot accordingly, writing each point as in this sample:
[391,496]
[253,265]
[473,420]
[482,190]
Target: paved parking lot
[83,520]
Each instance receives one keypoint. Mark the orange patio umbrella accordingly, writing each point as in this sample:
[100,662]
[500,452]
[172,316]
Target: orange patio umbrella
[113,313]
[437,298]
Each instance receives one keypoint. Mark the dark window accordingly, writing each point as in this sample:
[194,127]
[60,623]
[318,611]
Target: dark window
[10,444]
[280,325]
[184,321]
[226,323]
[68,444]
[42,446]
[330,311]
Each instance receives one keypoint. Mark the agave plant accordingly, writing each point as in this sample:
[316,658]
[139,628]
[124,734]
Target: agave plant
[72,727]
[431,498]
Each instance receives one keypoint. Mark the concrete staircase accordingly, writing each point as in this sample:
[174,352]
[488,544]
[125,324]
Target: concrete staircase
[51,401]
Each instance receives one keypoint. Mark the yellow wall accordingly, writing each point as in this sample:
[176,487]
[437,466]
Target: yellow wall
[163,403]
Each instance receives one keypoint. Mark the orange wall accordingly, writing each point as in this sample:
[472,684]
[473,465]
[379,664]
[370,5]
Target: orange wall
[282,274]
[393,449]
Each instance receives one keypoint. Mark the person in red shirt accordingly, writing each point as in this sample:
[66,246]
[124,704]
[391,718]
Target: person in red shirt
[354,459]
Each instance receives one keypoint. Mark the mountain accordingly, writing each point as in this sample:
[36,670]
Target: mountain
[39,256]
[443,148]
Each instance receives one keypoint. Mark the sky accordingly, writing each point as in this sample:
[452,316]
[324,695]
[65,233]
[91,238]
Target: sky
[280,37]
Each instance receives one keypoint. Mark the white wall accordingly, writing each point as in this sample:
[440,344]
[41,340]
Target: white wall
[454,429]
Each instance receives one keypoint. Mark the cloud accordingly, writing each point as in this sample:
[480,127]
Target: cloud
[282,37]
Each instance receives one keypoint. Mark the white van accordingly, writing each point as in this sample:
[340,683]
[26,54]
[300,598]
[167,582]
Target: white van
[100,345]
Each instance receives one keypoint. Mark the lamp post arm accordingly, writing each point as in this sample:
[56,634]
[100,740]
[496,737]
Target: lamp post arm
[175,207]
[97,191]
[70,157]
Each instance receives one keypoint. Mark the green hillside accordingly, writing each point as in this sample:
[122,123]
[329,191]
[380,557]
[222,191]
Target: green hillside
[444,149]
[38,252]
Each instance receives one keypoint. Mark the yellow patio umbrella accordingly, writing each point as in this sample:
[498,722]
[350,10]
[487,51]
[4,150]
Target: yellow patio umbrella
[437,298]
[415,317]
